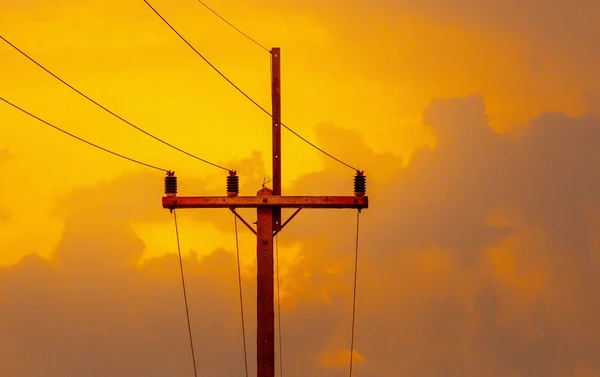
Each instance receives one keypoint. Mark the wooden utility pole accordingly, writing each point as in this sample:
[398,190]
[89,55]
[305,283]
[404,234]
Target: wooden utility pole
[268,204]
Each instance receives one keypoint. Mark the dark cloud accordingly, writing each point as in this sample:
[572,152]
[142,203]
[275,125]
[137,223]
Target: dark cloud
[481,257]
[592,100]
[98,316]
[441,213]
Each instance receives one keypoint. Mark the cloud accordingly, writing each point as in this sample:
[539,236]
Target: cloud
[469,244]
[481,257]
[593,102]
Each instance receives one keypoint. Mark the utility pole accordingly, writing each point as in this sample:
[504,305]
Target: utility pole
[268,204]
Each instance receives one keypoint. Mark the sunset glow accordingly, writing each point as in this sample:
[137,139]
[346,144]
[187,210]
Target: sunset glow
[476,124]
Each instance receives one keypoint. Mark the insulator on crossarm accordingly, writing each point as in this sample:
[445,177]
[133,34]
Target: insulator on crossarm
[360,184]
[233,184]
[170,184]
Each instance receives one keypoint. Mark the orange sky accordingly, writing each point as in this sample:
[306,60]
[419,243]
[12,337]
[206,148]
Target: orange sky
[363,67]
[360,78]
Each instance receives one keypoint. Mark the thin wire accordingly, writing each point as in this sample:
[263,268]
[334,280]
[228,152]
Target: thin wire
[354,292]
[109,111]
[233,26]
[80,139]
[319,149]
[241,91]
[237,248]
[187,311]
[278,306]
[203,58]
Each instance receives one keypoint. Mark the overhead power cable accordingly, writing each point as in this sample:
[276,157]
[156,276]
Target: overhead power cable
[319,149]
[354,293]
[80,139]
[241,91]
[205,59]
[233,26]
[108,110]
[187,310]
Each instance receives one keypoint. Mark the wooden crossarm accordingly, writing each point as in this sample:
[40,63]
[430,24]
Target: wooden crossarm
[357,202]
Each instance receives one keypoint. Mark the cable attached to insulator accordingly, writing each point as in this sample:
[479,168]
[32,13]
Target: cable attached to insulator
[80,139]
[354,294]
[242,92]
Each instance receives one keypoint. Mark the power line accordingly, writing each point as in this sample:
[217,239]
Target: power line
[205,59]
[319,149]
[233,26]
[237,248]
[242,92]
[187,311]
[80,139]
[109,111]
[354,292]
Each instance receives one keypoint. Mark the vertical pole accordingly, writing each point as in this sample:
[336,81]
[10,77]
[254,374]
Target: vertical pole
[265,334]
[276,106]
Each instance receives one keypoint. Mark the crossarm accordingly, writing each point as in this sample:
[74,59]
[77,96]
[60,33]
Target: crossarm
[358,202]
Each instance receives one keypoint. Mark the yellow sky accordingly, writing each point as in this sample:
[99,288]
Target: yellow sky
[370,69]
[483,224]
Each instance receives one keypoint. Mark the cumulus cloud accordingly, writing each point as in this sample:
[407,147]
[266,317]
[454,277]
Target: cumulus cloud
[480,257]
[593,102]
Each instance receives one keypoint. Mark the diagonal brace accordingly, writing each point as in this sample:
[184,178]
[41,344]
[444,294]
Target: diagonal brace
[288,220]
[243,221]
